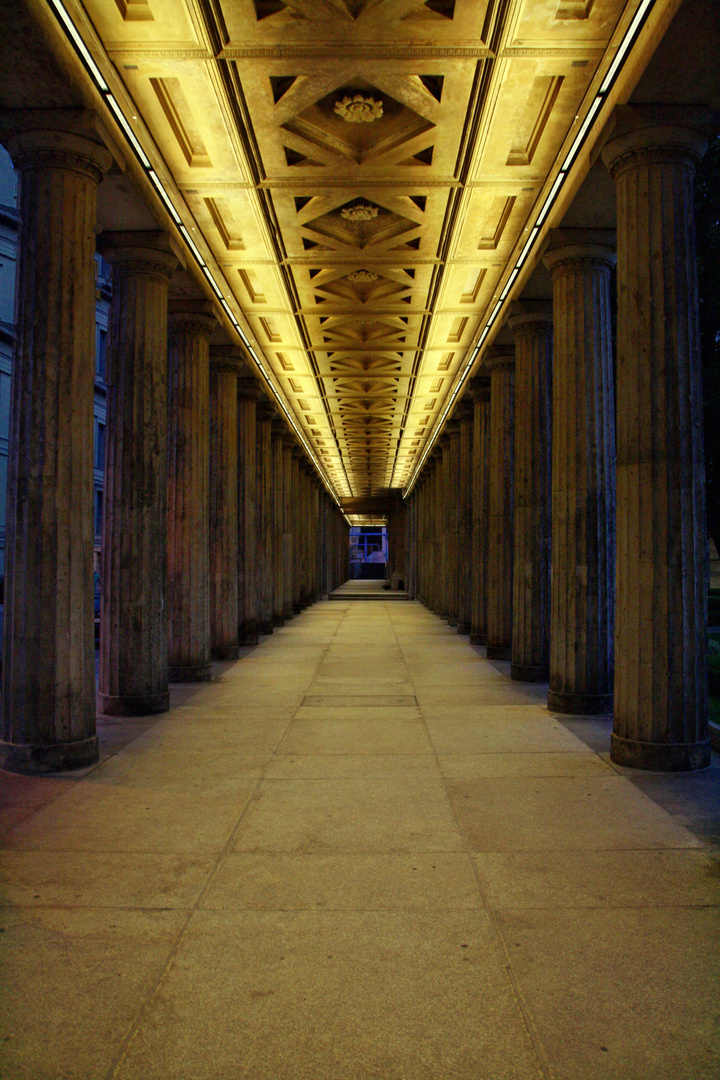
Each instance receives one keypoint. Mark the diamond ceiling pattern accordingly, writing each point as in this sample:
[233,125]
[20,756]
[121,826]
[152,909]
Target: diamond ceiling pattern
[360,171]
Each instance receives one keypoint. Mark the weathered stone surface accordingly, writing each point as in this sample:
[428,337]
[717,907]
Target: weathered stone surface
[133,619]
[464,414]
[480,509]
[225,365]
[532,324]
[190,324]
[583,473]
[661,600]
[48,696]
[501,364]
[248,597]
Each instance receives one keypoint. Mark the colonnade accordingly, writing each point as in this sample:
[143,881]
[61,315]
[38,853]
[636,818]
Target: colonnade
[587,534]
[217,527]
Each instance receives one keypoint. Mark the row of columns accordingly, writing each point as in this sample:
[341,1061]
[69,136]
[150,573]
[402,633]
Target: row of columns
[216,527]
[587,536]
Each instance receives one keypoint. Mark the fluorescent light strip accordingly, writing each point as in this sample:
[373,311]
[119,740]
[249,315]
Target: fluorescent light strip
[625,45]
[547,205]
[580,137]
[63,16]
[79,44]
[599,100]
[130,134]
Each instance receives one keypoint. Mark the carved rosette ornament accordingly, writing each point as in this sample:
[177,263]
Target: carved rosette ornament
[362,277]
[358,109]
[359,212]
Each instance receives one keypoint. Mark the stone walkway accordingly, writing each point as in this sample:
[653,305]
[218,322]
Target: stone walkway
[361,854]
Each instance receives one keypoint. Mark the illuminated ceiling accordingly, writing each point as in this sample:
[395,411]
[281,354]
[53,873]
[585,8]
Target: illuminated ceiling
[363,175]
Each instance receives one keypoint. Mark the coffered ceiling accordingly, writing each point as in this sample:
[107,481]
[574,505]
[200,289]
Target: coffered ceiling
[361,171]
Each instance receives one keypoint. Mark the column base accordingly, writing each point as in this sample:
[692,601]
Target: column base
[265,628]
[463,628]
[129,705]
[529,673]
[57,757]
[452,622]
[191,673]
[225,652]
[477,639]
[659,757]
[499,652]
[580,704]
[278,620]
[247,634]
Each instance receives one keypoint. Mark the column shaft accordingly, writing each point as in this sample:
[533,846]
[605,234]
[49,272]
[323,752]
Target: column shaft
[225,364]
[583,476]
[533,448]
[247,513]
[133,620]
[190,324]
[48,696]
[500,509]
[661,569]
[480,512]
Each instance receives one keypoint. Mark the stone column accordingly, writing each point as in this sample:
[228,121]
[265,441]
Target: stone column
[501,364]
[464,414]
[190,322]
[278,430]
[296,508]
[288,514]
[480,486]
[451,460]
[532,324]
[133,621]
[48,695]
[661,564]
[248,586]
[226,363]
[266,557]
[583,473]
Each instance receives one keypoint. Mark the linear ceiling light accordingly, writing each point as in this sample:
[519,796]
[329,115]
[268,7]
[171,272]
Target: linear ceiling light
[608,82]
[123,123]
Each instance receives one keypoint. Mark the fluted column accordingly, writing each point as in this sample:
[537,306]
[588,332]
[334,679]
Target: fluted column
[190,324]
[296,508]
[288,539]
[451,459]
[661,567]
[48,698]
[583,473]
[266,557]
[278,487]
[464,414]
[501,364]
[532,324]
[226,363]
[480,509]
[133,621]
[248,584]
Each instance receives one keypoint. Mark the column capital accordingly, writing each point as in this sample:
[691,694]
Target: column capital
[500,358]
[266,410]
[452,429]
[463,409]
[73,139]
[142,252]
[530,315]
[249,388]
[643,134]
[479,388]
[580,249]
[191,316]
[288,440]
[229,359]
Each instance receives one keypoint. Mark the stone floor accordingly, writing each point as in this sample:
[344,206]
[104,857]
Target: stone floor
[361,854]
